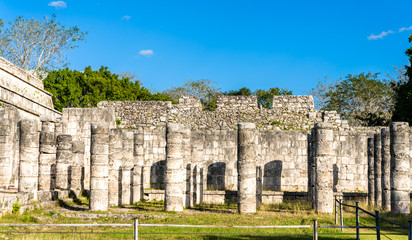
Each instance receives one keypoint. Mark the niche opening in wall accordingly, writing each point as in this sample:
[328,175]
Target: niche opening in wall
[216,176]
[272,176]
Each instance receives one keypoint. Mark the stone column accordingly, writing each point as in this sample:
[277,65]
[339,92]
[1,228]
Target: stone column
[138,166]
[174,176]
[377,167]
[187,160]
[371,175]
[246,168]
[29,158]
[47,160]
[311,167]
[99,169]
[259,186]
[127,167]
[63,163]
[386,169]
[78,156]
[324,160]
[400,167]
[197,185]
[6,153]
[115,163]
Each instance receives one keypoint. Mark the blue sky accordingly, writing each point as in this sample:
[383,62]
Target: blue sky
[254,44]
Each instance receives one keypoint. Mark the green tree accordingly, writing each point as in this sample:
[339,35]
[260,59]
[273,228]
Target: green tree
[362,99]
[403,93]
[264,97]
[203,89]
[241,92]
[37,44]
[71,88]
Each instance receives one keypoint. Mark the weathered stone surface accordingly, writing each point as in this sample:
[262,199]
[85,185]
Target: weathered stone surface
[138,176]
[64,158]
[246,167]
[29,157]
[99,172]
[378,168]
[324,159]
[47,157]
[371,174]
[386,169]
[77,166]
[175,176]
[400,167]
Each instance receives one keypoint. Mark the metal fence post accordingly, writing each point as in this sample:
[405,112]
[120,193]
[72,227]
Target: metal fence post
[409,230]
[135,229]
[336,211]
[378,229]
[341,217]
[357,221]
[315,229]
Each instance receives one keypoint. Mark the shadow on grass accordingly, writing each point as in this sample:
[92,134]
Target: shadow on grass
[63,204]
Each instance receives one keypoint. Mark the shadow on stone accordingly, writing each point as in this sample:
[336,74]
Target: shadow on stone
[157,175]
[216,176]
[272,176]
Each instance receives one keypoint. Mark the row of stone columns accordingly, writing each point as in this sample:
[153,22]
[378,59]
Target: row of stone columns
[48,164]
[388,168]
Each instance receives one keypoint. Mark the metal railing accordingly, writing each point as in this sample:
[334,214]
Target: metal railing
[135,225]
[378,219]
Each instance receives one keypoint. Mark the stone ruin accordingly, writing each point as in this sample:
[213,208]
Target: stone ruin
[123,152]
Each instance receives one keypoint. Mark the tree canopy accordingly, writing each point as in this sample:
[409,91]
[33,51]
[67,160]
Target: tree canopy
[37,44]
[403,93]
[362,99]
[264,97]
[71,88]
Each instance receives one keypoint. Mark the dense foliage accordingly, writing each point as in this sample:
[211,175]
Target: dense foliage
[264,97]
[403,93]
[71,88]
[362,99]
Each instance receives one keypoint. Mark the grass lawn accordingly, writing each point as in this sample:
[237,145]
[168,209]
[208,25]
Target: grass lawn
[69,211]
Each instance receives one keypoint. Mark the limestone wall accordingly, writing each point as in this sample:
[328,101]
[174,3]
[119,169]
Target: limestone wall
[25,92]
[297,114]
[76,122]
[293,103]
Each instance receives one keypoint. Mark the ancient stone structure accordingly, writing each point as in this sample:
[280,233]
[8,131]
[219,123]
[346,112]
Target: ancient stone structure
[6,157]
[47,159]
[123,159]
[400,167]
[24,92]
[377,169]
[64,158]
[29,157]
[324,158]
[76,185]
[246,166]
[175,172]
[138,180]
[371,175]
[99,168]
[386,169]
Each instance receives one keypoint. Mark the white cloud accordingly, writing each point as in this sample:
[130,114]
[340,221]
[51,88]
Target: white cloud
[380,36]
[147,53]
[58,4]
[126,17]
[405,29]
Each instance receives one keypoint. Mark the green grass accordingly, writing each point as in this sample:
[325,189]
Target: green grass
[204,214]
